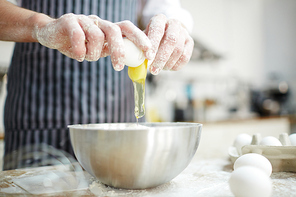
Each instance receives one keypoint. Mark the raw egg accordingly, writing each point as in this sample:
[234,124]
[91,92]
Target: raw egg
[249,181]
[270,141]
[255,160]
[138,76]
[242,140]
[292,138]
[137,72]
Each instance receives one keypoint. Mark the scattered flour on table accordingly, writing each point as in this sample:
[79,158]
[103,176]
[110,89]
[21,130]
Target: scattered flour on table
[100,189]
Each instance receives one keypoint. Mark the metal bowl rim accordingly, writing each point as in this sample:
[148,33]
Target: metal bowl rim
[162,125]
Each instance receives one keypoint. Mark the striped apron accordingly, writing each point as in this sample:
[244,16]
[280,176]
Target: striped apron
[47,91]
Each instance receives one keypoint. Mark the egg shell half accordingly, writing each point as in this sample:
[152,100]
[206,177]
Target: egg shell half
[134,56]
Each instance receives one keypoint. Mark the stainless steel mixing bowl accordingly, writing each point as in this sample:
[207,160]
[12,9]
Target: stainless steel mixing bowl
[131,156]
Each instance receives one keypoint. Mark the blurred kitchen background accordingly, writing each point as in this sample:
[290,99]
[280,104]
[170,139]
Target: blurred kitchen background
[243,66]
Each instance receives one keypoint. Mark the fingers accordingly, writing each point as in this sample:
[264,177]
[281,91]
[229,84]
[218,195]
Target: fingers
[155,32]
[186,55]
[182,53]
[177,52]
[98,38]
[65,35]
[137,36]
[172,46]
[91,38]
[94,38]
[166,46]
[76,36]
[113,36]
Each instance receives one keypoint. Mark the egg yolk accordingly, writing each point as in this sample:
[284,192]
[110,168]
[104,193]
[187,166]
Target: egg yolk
[138,73]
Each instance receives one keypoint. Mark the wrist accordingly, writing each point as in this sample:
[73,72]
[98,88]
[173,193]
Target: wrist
[38,21]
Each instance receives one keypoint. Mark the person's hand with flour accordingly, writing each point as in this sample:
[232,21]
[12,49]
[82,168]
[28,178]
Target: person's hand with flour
[172,45]
[89,38]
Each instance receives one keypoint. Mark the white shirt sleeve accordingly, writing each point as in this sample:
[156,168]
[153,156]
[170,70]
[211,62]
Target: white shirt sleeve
[16,2]
[170,8]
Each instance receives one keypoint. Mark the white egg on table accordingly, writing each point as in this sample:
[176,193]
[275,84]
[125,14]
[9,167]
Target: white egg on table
[270,141]
[242,140]
[255,160]
[249,181]
[134,56]
[292,139]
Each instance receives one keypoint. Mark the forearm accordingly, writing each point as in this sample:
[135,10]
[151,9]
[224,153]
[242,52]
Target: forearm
[18,24]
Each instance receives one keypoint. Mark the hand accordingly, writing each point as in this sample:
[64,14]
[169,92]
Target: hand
[89,37]
[172,45]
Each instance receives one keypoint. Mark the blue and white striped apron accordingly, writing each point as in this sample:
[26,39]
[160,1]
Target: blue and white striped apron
[47,91]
